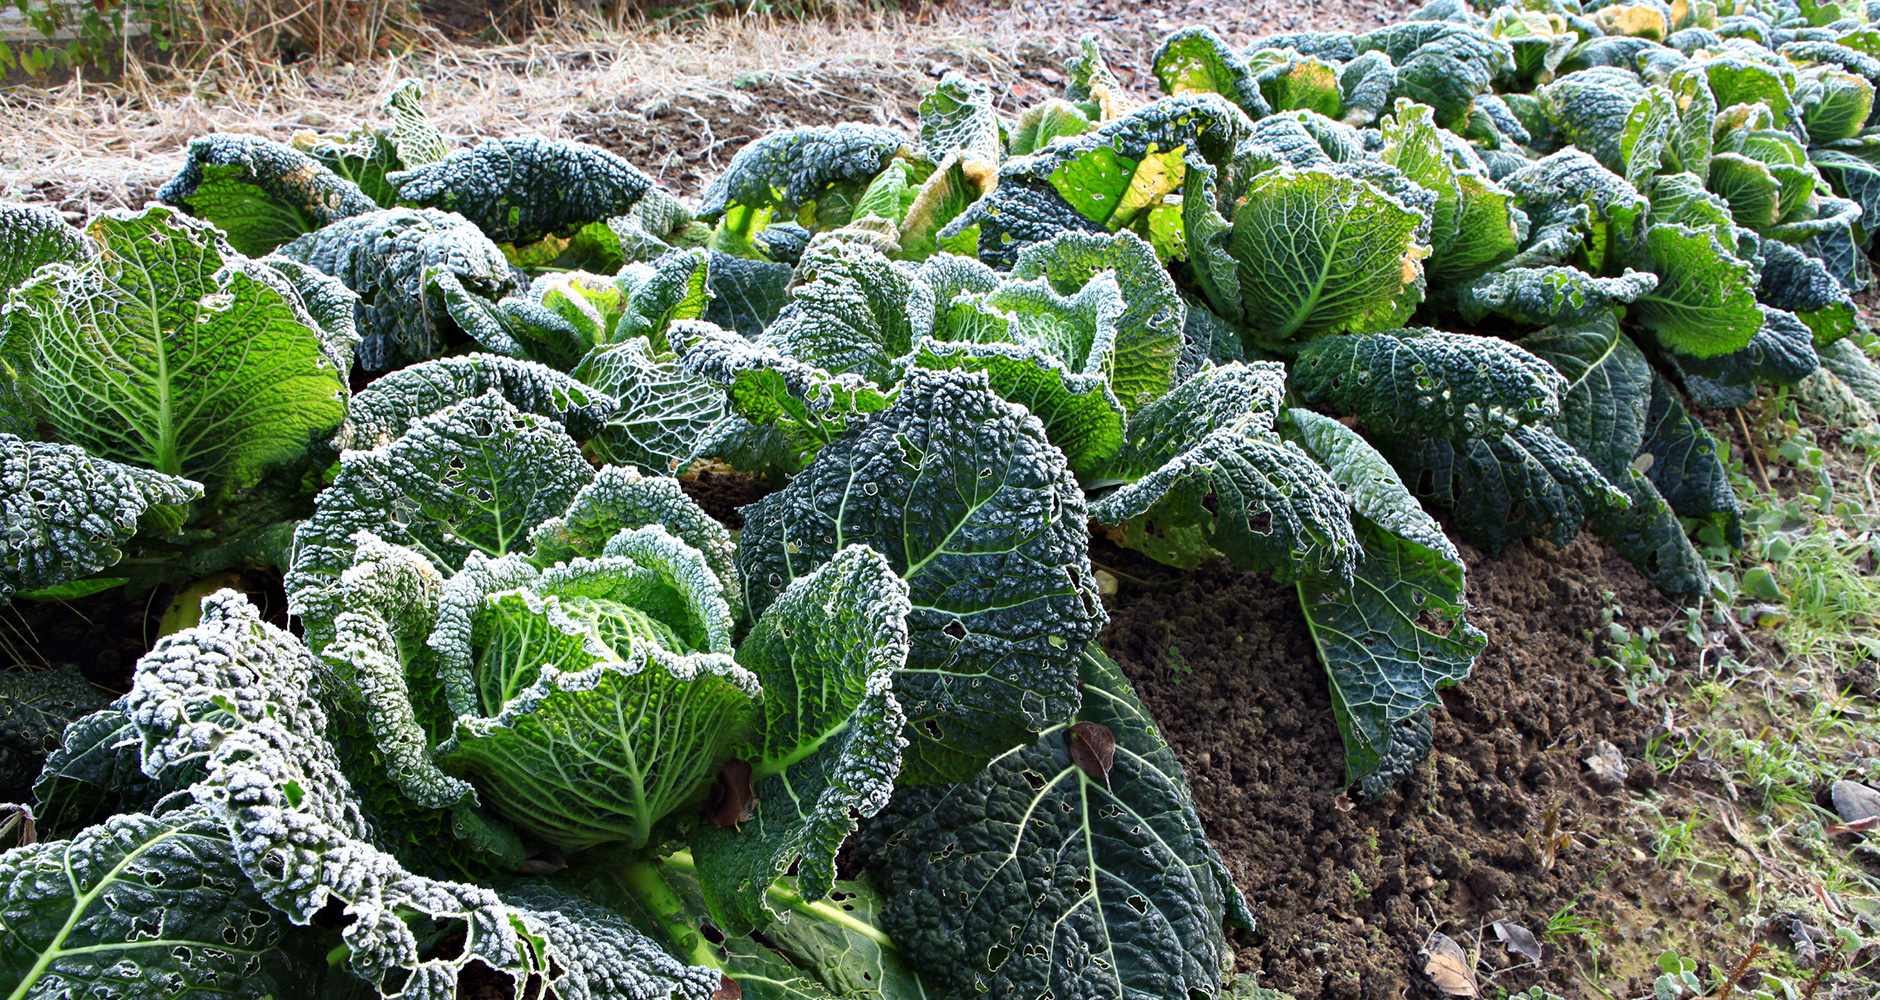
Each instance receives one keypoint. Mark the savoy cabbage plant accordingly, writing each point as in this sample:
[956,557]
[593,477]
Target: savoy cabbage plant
[538,711]
[159,392]
[547,716]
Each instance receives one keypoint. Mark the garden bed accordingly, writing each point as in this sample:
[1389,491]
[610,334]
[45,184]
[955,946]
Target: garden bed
[1601,783]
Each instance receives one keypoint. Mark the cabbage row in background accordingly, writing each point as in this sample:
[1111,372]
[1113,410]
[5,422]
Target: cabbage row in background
[553,718]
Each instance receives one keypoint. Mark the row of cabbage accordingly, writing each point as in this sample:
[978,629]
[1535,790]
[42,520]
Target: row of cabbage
[545,703]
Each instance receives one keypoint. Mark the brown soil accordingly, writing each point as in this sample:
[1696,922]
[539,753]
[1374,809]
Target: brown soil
[722,493]
[1346,895]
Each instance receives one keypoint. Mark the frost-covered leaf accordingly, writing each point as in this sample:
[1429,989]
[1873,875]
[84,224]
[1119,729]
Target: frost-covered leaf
[1273,509]
[1093,85]
[1800,284]
[261,193]
[957,117]
[234,696]
[1852,166]
[1081,415]
[521,189]
[1781,353]
[1197,61]
[1389,640]
[1527,481]
[408,138]
[1034,878]
[1685,465]
[387,408]
[807,404]
[1428,382]
[32,235]
[68,513]
[172,352]
[1591,108]
[621,499]
[1579,212]
[977,512]
[1603,417]
[667,416]
[1545,296]
[820,170]
[746,295]
[473,477]
[827,745]
[142,907]
[35,708]
[1441,64]
[1140,366]
[847,313]
[426,279]
[1394,634]
[596,696]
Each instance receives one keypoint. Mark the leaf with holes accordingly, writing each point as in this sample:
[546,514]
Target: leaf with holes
[1034,878]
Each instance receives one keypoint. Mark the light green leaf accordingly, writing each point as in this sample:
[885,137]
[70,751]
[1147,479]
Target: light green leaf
[1045,121]
[589,722]
[1316,253]
[1474,225]
[171,352]
[1705,301]
[1197,61]
[260,193]
[1081,416]
[1148,340]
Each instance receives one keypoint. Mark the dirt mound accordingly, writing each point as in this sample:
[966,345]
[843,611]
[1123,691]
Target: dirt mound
[1346,894]
[685,138]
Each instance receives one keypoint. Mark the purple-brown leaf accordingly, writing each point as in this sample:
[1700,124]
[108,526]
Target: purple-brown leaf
[1093,749]
[730,800]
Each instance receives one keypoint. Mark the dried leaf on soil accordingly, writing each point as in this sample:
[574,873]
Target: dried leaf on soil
[1448,966]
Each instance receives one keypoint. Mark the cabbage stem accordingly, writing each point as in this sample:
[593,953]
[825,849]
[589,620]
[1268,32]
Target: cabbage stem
[793,899]
[642,879]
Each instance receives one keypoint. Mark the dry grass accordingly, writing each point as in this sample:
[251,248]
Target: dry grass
[89,145]
[92,144]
